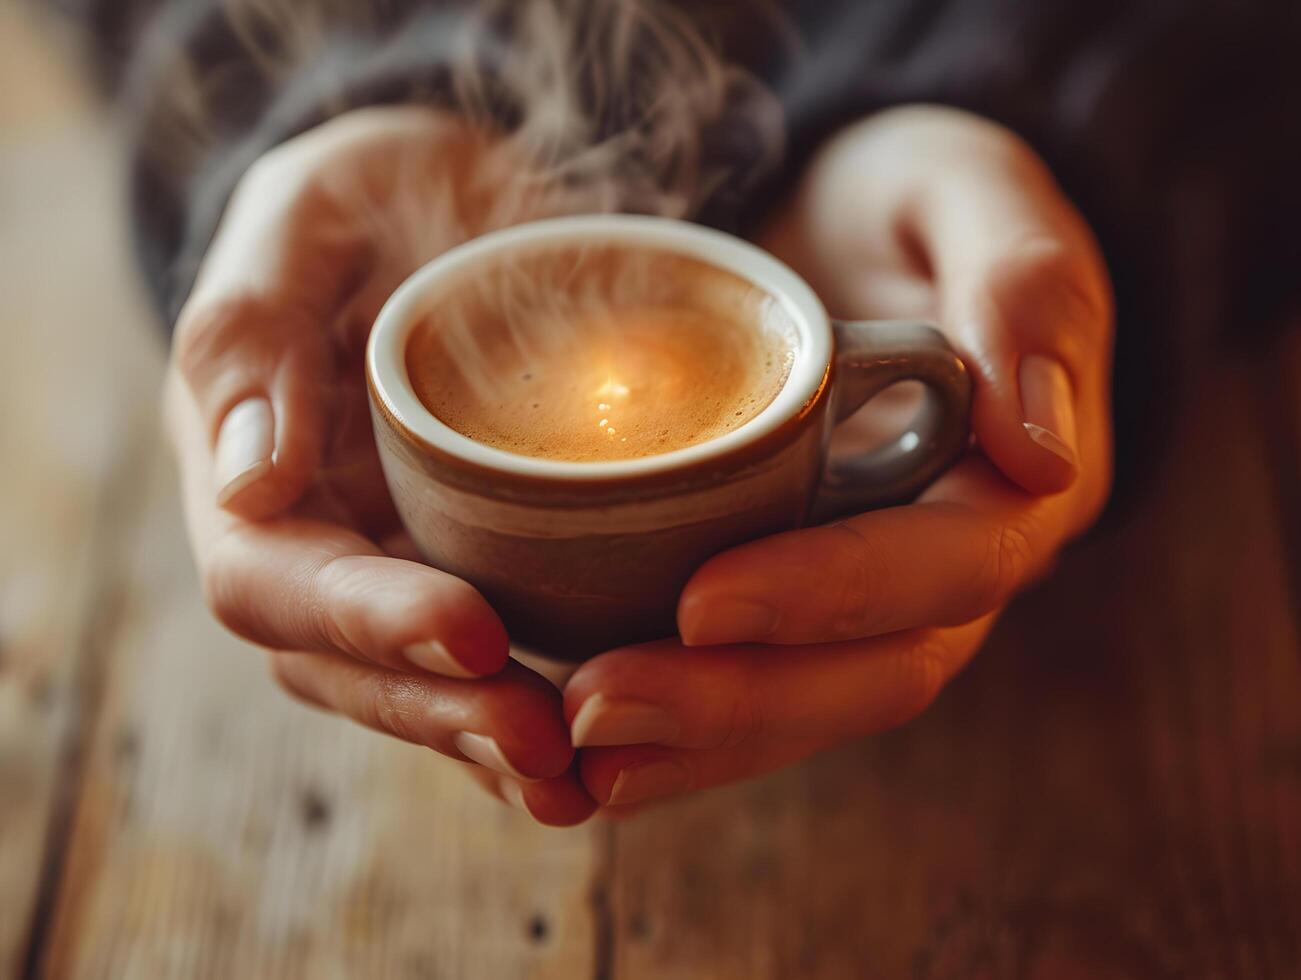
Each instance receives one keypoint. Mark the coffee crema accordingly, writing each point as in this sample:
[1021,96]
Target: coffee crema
[598,355]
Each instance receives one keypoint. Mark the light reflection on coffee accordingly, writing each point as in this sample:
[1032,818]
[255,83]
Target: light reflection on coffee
[600,355]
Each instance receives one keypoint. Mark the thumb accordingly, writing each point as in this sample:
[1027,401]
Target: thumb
[258,374]
[253,342]
[1023,294]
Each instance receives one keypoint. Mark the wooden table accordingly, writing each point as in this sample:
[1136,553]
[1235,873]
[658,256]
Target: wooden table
[1113,789]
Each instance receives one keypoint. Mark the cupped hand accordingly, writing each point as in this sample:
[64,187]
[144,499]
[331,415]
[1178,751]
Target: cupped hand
[796,643]
[298,545]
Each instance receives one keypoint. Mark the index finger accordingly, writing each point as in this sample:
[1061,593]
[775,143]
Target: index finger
[299,583]
[732,696]
[962,551]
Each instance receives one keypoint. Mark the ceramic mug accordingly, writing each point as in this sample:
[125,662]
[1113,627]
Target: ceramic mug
[581,557]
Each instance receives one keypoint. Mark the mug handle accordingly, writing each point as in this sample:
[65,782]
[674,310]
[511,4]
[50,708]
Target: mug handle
[870,357]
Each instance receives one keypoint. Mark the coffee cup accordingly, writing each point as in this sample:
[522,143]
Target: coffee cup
[581,556]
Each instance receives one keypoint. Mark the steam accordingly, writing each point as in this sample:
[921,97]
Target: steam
[618,98]
[601,105]
[596,351]
[581,106]
[574,106]
[594,106]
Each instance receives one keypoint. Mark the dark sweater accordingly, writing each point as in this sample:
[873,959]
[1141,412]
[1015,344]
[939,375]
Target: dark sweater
[1172,123]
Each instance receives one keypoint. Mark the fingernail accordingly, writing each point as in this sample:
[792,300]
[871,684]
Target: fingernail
[706,622]
[244,447]
[617,721]
[513,793]
[484,750]
[1048,406]
[433,656]
[649,781]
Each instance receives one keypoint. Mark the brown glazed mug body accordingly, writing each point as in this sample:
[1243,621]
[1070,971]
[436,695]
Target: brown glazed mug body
[579,558]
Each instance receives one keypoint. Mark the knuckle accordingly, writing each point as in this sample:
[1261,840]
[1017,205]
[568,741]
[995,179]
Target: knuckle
[1031,263]
[745,721]
[1041,256]
[860,567]
[193,335]
[958,131]
[392,705]
[339,624]
[1008,562]
[279,610]
[321,625]
[208,330]
[1004,148]
[731,712]
[283,174]
[268,168]
[1046,271]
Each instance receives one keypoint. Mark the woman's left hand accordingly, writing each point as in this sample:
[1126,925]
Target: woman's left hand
[798,642]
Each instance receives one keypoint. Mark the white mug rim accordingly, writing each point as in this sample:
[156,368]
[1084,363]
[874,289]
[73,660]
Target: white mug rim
[386,348]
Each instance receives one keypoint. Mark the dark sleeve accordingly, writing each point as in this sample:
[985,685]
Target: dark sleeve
[208,86]
[1171,123]
[205,87]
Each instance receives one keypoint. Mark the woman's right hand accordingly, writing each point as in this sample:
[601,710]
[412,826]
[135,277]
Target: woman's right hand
[298,545]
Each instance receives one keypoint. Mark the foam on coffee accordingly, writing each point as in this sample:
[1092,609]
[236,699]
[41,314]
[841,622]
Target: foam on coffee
[602,354]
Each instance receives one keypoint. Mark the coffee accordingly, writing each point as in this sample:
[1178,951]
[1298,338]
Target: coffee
[600,355]
[579,558]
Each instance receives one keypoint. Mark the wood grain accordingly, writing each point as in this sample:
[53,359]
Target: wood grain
[227,832]
[167,812]
[69,400]
[1111,790]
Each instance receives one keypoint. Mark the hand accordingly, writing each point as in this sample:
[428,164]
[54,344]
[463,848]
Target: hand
[798,642]
[297,542]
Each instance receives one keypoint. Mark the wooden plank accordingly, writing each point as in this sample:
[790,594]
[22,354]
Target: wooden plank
[1111,790]
[69,391]
[216,828]
[227,832]
[1118,797]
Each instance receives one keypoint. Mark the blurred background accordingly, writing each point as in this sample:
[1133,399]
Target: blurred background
[1120,797]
